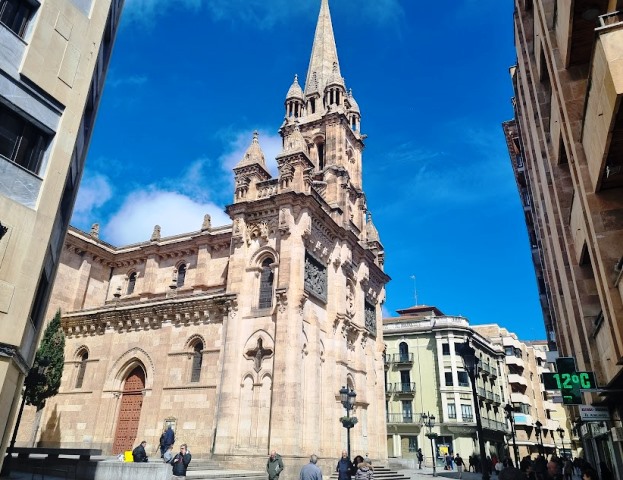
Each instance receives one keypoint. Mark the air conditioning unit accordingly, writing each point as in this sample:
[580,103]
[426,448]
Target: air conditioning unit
[617,434]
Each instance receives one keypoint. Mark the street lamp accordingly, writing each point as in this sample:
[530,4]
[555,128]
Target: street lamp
[561,432]
[429,422]
[470,362]
[509,409]
[347,397]
[538,427]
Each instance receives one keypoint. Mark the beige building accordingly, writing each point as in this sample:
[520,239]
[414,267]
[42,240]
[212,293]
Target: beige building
[566,146]
[525,362]
[424,375]
[239,336]
[53,59]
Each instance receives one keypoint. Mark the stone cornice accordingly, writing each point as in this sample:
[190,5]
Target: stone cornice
[149,315]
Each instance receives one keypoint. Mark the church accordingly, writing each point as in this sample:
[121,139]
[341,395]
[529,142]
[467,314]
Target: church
[239,337]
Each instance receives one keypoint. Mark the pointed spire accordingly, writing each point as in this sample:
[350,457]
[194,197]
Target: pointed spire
[295,90]
[254,154]
[372,234]
[324,52]
[295,142]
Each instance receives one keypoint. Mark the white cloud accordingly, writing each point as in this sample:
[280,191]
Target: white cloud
[174,212]
[95,190]
[134,80]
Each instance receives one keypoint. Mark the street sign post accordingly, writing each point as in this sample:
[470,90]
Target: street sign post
[569,381]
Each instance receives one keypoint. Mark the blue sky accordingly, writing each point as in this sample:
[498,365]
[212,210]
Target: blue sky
[190,80]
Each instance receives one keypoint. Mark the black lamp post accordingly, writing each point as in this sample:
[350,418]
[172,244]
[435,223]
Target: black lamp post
[538,430]
[429,422]
[347,397]
[509,414]
[470,362]
[561,432]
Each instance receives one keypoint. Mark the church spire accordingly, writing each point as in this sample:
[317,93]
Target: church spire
[323,64]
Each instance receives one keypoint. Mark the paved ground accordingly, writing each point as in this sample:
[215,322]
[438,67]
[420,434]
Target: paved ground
[427,473]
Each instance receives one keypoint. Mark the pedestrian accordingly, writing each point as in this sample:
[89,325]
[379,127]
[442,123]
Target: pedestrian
[161,444]
[274,465]
[499,466]
[588,473]
[567,470]
[168,455]
[364,471]
[139,454]
[356,461]
[512,473]
[460,464]
[471,463]
[311,470]
[448,462]
[420,458]
[169,437]
[606,473]
[180,462]
[344,467]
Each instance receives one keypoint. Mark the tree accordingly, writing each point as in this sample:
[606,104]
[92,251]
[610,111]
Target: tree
[44,378]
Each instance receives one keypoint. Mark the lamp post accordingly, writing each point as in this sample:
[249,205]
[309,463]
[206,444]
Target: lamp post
[429,422]
[347,397]
[538,430]
[509,414]
[470,362]
[561,432]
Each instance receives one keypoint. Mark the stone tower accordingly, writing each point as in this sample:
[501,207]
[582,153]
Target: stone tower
[305,234]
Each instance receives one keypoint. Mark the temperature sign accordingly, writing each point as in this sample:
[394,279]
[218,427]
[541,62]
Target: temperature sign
[569,381]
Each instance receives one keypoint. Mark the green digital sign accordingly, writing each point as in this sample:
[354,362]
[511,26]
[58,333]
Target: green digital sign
[569,381]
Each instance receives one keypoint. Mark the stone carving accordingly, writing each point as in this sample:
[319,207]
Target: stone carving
[207,223]
[350,299]
[95,230]
[370,318]
[315,277]
[281,296]
[155,236]
[258,354]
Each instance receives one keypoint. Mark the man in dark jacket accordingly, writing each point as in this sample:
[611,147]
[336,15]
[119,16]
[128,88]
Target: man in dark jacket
[274,465]
[180,462]
[169,438]
[139,454]
[344,467]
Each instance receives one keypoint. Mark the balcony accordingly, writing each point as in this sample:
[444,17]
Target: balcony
[403,359]
[520,398]
[481,392]
[513,360]
[405,417]
[489,396]
[403,388]
[518,379]
[523,419]
[602,133]
[497,399]
[485,369]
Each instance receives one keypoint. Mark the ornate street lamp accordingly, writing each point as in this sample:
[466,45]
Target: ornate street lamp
[509,409]
[470,362]
[538,430]
[429,422]
[561,432]
[347,397]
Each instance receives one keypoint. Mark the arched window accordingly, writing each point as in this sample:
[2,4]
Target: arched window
[131,283]
[195,374]
[321,160]
[266,285]
[84,356]
[403,348]
[181,275]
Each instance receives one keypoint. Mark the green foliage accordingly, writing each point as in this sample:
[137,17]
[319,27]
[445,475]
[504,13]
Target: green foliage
[348,422]
[44,378]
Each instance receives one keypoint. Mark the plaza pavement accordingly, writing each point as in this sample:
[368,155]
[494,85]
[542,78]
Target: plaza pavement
[427,473]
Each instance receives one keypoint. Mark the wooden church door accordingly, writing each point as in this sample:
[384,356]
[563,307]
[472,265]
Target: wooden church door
[129,411]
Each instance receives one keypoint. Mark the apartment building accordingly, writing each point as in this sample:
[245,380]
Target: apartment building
[525,363]
[53,60]
[566,148]
[424,377]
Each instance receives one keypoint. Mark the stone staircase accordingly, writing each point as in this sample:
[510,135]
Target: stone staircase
[380,473]
[210,470]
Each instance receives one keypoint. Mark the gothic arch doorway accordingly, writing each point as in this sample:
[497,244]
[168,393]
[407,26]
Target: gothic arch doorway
[129,411]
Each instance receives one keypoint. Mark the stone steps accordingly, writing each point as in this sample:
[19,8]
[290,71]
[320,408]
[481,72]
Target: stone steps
[224,474]
[380,473]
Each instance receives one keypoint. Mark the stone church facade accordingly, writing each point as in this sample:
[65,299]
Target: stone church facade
[240,336]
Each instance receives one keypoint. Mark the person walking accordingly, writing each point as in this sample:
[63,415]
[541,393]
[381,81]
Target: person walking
[168,455]
[169,438]
[311,470]
[364,471]
[274,465]
[460,465]
[180,462]
[139,454]
[420,458]
[344,467]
